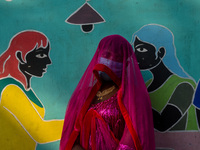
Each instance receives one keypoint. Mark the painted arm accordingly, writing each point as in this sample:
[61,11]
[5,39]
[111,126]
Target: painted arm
[165,120]
[176,108]
[14,100]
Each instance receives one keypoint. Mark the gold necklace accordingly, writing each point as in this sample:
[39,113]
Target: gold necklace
[104,92]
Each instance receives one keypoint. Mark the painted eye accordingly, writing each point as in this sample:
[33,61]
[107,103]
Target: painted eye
[141,49]
[41,55]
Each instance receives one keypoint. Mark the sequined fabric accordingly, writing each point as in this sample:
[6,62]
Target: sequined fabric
[110,112]
[124,147]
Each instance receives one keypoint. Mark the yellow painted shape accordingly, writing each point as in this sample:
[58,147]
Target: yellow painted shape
[21,123]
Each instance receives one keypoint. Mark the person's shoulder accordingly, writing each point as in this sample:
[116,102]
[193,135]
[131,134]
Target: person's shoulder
[11,94]
[9,81]
[182,80]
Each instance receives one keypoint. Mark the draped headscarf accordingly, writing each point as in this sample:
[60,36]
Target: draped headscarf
[132,98]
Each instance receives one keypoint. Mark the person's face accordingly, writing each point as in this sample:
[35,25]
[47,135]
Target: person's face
[145,54]
[112,56]
[37,61]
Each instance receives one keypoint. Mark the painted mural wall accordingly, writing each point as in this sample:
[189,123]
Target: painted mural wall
[45,47]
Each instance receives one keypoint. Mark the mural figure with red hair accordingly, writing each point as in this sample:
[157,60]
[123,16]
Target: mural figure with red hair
[22,121]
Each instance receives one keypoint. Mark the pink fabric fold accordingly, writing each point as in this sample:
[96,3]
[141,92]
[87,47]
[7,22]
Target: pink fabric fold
[133,101]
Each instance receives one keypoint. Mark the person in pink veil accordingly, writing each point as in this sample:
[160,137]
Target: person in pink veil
[110,107]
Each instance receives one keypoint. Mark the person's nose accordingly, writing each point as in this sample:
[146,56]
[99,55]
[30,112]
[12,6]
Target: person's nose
[48,61]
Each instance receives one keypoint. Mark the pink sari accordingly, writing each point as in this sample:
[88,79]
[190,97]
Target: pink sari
[132,98]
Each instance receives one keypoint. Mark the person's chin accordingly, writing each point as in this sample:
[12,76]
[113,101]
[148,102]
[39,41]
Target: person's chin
[39,74]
